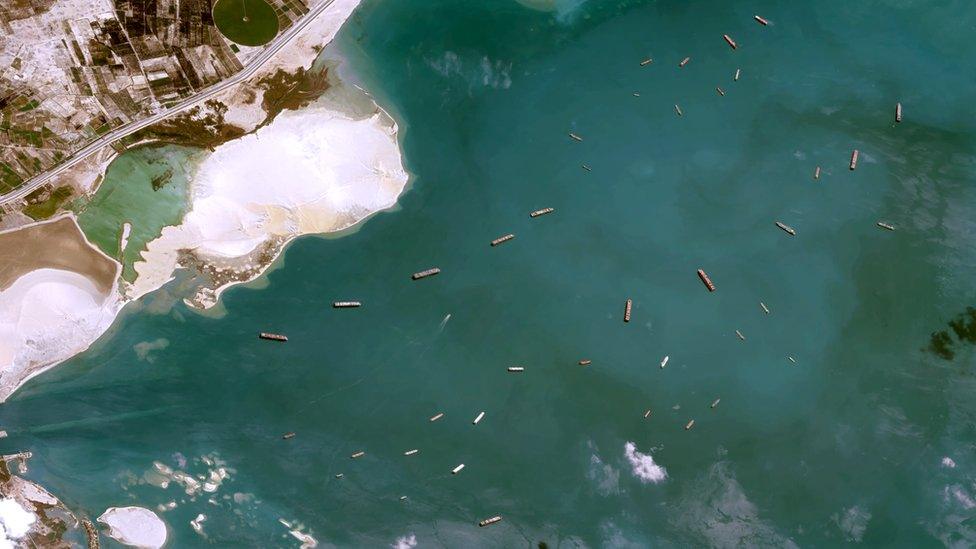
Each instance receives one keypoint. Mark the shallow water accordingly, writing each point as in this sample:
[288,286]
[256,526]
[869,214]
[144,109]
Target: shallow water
[146,187]
[845,445]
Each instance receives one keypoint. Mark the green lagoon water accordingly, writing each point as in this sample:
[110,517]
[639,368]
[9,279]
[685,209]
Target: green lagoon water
[845,446]
[147,188]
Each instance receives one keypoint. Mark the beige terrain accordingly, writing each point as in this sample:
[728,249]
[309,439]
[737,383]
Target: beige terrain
[58,294]
[56,244]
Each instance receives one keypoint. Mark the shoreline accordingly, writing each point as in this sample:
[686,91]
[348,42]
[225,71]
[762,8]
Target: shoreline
[350,188]
[53,279]
[236,229]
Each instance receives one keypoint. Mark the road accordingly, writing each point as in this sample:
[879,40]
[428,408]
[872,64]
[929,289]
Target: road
[123,131]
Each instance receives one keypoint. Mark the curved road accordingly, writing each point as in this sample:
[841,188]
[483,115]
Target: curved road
[123,131]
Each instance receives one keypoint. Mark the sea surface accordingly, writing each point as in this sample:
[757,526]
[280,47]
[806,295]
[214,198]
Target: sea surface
[867,438]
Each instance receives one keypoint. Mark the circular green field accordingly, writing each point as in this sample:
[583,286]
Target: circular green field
[246,22]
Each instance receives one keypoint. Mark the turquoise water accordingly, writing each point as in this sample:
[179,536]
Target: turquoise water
[128,194]
[844,446]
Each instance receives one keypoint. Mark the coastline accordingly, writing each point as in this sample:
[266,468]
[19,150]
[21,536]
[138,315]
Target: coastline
[46,291]
[236,227]
[337,194]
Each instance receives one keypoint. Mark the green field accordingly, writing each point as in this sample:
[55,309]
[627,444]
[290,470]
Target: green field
[48,207]
[246,22]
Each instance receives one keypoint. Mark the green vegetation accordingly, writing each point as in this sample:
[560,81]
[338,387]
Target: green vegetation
[48,207]
[28,137]
[31,105]
[9,180]
[247,22]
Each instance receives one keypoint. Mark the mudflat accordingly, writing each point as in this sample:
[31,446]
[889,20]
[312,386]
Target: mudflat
[55,244]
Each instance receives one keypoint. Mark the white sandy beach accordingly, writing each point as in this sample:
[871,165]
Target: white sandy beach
[314,171]
[135,527]
[47,316]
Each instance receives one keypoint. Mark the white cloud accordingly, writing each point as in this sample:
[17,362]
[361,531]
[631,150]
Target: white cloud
[643,465]
[853,523]
[15,522]
[405,542]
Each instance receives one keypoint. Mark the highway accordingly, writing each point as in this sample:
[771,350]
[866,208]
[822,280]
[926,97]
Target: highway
[123,131]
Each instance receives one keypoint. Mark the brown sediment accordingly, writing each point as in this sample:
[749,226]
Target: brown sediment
[283,90]
[92,534]
[55,244]
[292,90]
[190,128]
[217,274]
